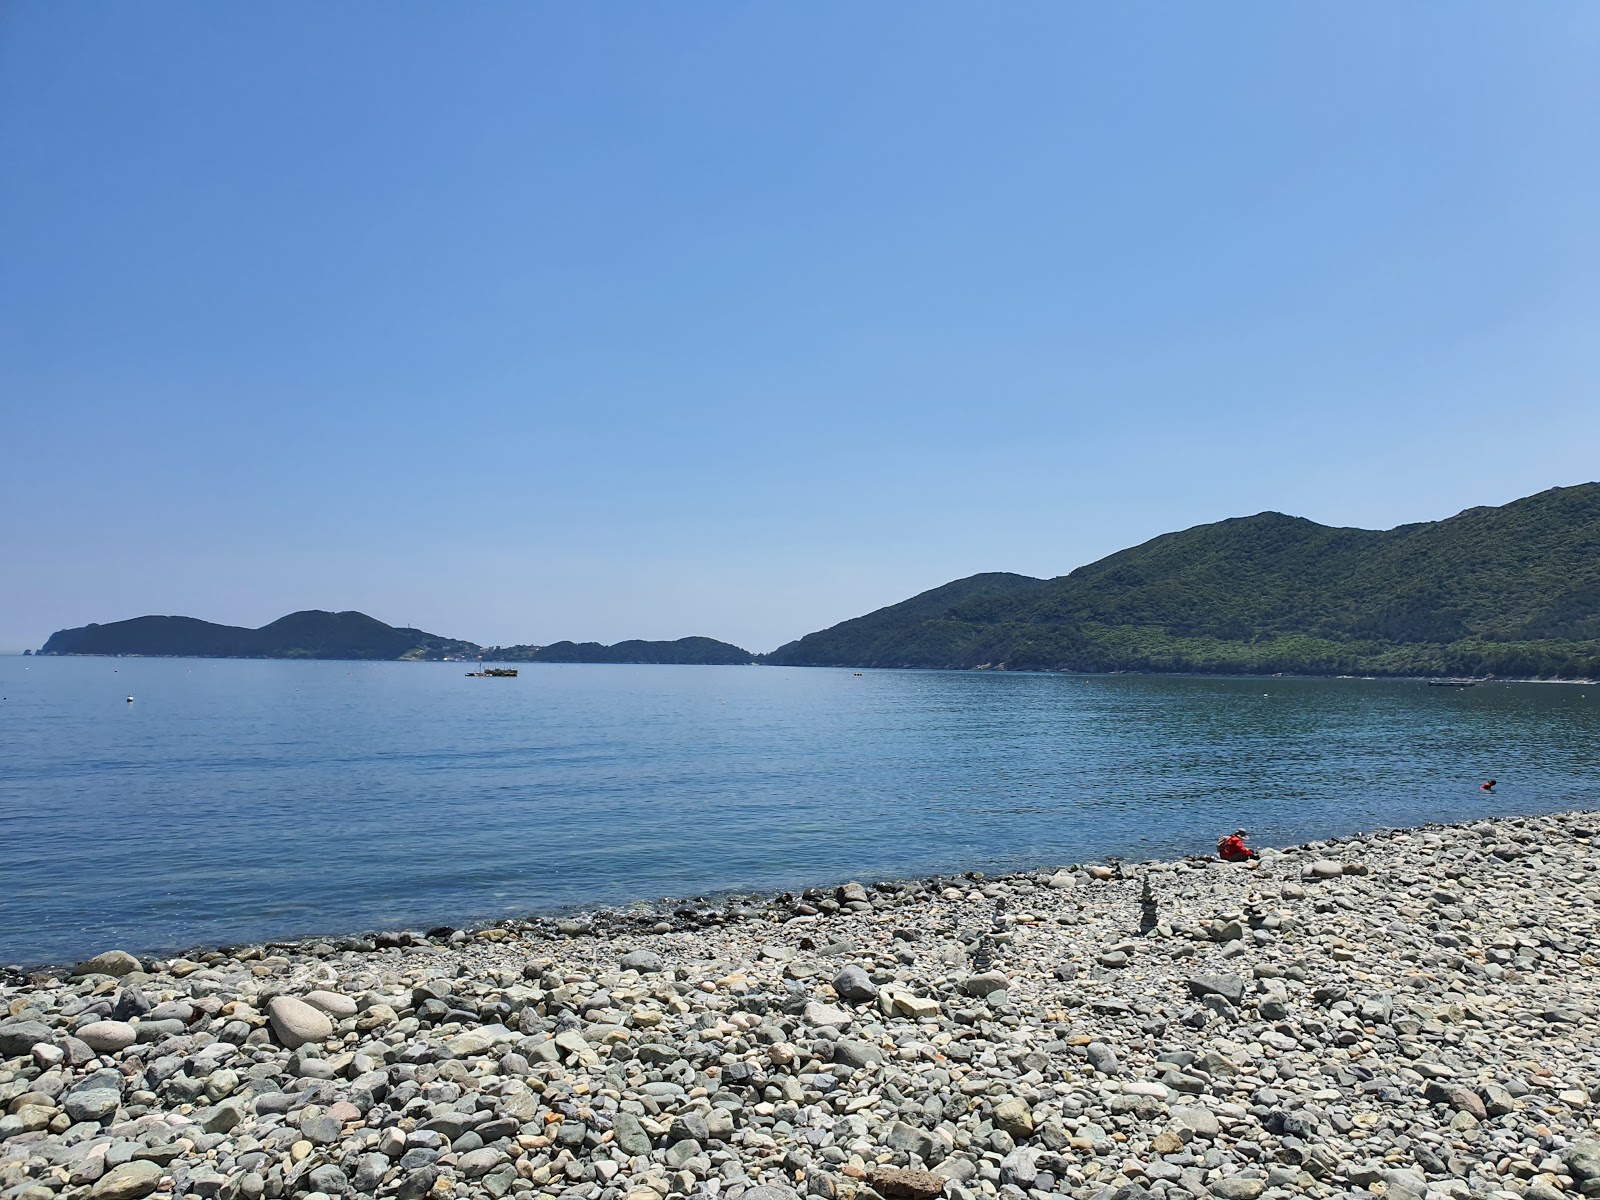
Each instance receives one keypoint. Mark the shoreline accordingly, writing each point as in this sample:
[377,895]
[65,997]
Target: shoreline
[686,914]
[680,914]
[1405,1012]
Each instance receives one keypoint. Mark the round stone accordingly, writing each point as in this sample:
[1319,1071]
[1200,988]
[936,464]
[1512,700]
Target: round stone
[113,962]
[108,1037]
[296,1023]
[129,1181]
[332,1003]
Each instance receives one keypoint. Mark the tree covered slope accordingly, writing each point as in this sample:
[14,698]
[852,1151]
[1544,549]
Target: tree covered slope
[691,651]
[1513,590]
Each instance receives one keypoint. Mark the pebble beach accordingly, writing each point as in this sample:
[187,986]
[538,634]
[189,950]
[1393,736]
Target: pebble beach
[1409,1014]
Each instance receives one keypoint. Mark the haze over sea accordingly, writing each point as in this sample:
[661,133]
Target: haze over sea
[244,800]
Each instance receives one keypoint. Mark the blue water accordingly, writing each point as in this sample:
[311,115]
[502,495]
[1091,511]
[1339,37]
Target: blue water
[234,801]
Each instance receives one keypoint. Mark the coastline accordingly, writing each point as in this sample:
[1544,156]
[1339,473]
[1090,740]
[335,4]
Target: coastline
[1407,1012]
[756,662]
[686,914]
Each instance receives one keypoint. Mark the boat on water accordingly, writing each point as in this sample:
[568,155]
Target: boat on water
[484,672]
[1457,683]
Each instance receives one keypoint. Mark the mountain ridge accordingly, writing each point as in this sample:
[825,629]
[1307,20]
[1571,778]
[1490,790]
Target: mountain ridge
[318,634]
[1507,590]
[1512,590]
[309,633]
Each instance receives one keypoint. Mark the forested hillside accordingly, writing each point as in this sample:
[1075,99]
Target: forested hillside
[1513,590]
[691,651]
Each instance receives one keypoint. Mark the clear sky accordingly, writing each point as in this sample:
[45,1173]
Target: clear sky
[521,321]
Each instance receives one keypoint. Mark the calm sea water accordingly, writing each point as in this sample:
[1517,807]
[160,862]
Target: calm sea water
[243,800]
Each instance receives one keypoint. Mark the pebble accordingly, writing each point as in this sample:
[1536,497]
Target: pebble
[986,984]
[646,962]
[1015,1117]
[825,1015]
[900,1183]
[1103,1058]
[854,984]
[116,963]
[1198,1121]
[296,1022]
[20,1037]
[108,1037]
[332,1003]
[128,1181]
[95,1097]
[1238,1187]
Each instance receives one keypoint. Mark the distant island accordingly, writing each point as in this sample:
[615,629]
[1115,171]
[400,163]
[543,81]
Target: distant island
[1509,591]
[353,635]
[309,634]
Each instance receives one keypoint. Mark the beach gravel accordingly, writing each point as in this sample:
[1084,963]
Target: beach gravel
[1405,1015]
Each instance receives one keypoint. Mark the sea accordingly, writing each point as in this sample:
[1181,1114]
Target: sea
[161,804]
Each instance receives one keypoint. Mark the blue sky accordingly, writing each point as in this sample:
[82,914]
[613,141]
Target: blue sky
[523,321]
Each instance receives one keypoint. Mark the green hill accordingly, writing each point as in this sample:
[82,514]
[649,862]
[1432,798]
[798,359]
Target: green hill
[309,634]
[1512,591]
[694,651]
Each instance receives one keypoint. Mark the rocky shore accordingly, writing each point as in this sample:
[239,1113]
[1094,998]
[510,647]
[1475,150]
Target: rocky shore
[1405,1014]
